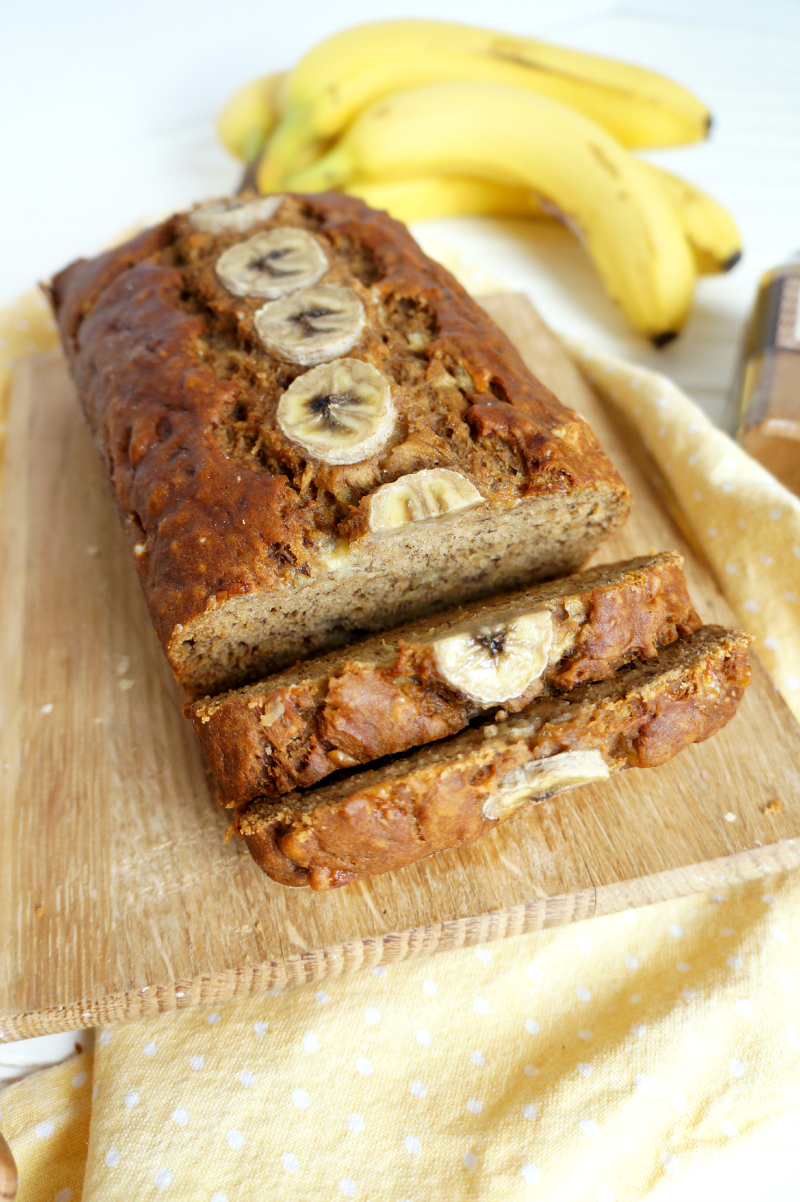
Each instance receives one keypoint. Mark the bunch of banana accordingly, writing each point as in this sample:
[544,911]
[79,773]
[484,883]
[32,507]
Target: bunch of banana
[428,118]
[506,135]
[347,73]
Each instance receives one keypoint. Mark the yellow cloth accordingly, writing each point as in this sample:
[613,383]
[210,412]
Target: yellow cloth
[746,524]
[45,1119]
[593,1063]
[25,328]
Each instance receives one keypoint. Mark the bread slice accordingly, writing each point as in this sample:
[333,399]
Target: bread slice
[393,692]
[252,549]
[451,792]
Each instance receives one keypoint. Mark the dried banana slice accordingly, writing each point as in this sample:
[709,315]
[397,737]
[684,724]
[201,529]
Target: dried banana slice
[498,661]
[272,263]
[312,325]
[221,216]
[426,495]
[340,412]
[542,778]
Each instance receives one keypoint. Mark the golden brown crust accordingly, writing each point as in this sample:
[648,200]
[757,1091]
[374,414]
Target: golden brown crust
[384,697]
[381,819]
[181,397]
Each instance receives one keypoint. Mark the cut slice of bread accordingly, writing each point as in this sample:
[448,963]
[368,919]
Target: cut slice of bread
[450,793]
[391,693]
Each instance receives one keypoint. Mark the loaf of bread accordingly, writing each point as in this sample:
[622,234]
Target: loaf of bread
[312,432]
[452,792]
[419,683]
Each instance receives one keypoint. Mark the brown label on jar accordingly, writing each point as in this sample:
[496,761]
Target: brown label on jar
[787,326]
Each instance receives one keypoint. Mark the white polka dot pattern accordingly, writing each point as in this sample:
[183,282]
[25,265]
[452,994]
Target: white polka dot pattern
[317,1098]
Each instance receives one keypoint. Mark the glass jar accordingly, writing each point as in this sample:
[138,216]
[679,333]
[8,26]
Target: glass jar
[767,388]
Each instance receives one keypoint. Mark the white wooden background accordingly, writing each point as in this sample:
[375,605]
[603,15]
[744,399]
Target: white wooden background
[106,116]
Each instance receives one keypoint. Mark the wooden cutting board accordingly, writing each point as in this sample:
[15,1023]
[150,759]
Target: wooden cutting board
[118,893]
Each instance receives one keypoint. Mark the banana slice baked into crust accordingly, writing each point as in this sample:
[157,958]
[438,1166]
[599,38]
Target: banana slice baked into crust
[427,681]
[450,793]
[268,382]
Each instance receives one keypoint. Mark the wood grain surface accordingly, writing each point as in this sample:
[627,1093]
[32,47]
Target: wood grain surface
[118,893]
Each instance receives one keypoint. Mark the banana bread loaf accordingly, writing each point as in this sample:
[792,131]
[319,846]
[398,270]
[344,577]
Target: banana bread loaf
[452,792]
[411,686]
[313,432]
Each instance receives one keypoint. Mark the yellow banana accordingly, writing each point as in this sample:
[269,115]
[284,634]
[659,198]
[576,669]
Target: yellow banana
[426,197]
[709,228]
[346,73]
[250,115]
[516,137]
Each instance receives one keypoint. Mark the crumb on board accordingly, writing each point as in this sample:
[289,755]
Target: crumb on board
[730,817]
[40,911]
[773,807]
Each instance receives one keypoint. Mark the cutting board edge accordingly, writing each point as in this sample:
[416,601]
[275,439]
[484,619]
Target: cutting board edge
[317,964]
[300,969]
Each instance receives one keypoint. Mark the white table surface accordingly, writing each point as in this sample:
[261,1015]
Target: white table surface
[106,116]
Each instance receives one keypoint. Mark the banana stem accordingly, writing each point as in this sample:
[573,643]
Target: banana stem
[331,171]
[291,139]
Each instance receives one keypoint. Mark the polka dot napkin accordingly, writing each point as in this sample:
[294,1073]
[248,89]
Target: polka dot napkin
[596,1062]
